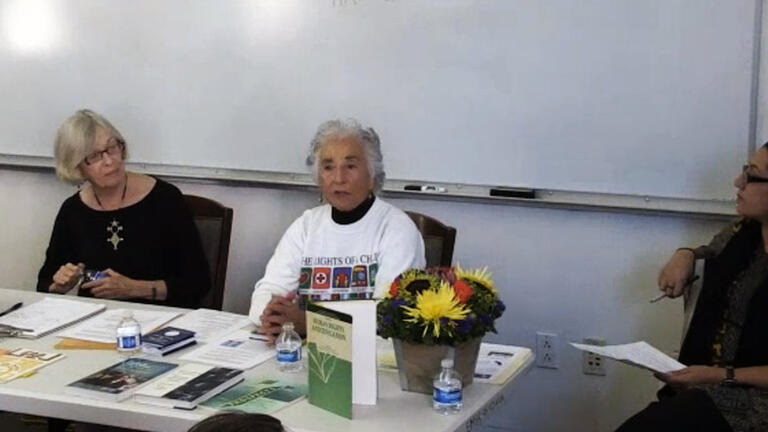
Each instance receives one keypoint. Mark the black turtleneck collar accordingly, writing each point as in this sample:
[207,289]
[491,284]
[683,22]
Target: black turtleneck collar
[354,215]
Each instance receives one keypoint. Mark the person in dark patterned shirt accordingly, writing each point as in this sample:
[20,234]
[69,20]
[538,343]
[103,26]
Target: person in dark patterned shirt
[725,386]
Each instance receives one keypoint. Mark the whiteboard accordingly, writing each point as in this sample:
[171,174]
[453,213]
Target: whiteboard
[618,96]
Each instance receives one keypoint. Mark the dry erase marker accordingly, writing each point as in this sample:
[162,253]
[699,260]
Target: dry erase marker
[662,295]
[424,188]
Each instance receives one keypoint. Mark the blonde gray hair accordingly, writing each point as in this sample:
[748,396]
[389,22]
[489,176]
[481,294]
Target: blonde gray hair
[75,140]
[335,129]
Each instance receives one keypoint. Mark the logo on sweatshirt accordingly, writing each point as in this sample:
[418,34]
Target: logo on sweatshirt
[341,277]
[372,270]
[305,278]
[321,277]
[360,276]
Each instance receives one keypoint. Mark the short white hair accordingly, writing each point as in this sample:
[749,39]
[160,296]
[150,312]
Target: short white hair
[368,138]
[75,140]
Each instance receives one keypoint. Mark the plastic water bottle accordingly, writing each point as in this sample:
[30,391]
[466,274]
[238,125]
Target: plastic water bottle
[128,335]
[446,393]
[288,346]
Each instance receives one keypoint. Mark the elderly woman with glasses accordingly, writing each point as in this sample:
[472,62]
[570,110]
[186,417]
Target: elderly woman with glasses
[725,386]
[123,235]
[350,248]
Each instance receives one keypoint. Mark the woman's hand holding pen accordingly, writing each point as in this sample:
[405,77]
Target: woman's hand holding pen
[676,274]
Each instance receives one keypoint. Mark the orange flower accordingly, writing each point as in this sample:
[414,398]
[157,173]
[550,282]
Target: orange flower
[463,291]
[393,288]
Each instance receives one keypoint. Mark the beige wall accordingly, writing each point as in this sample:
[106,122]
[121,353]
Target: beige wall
[579,274]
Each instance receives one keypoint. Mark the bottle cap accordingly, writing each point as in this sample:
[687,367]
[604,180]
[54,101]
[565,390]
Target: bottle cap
[446,363]
[288,325]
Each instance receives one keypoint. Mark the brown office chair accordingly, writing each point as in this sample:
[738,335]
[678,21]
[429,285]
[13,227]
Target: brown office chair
[439,239]
[214,222]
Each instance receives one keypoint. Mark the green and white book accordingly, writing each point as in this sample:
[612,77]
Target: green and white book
[329,358]
[258,395]
[341,353]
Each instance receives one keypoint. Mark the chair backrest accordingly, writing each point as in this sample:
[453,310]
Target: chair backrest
[439,239]
[214,222]
[691,296]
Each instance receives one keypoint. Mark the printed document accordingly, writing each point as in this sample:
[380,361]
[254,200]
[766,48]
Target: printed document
[102,328]
[209,324]
[236,350]
[639,354]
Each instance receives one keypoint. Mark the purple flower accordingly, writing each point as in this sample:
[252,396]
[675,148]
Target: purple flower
[486,319]
[465,325]
[396,303]
[500,306]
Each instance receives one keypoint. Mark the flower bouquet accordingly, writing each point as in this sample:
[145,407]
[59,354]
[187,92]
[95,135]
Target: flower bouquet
[437,313]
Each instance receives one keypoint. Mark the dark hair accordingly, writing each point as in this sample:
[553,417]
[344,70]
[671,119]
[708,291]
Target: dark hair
[237,421]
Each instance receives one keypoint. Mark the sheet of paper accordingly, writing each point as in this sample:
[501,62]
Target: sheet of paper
[50,314]
[496,363]
[639,354]
[235,350]
[102,328]
[209,324]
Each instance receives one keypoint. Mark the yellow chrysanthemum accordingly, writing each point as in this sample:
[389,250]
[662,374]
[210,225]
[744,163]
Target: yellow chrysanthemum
[481,276]
[432,305]
[408,277]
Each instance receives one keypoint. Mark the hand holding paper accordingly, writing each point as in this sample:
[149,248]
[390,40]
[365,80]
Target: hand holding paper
[639,354]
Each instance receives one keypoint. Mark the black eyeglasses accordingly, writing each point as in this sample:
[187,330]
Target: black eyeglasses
[114,148]
[751,178]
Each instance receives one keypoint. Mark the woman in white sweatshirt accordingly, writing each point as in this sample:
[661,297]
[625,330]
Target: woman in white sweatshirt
[352,247]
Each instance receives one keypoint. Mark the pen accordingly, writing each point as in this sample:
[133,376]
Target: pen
[258,337]
[424,188]
[11,309]
[662,295]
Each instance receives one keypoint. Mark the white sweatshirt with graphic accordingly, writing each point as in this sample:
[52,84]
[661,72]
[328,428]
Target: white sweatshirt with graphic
[325,260]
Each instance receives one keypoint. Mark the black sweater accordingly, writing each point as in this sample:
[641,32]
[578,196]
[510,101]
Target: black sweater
[156,239]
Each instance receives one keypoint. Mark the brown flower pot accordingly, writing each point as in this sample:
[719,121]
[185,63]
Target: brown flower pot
[418,364]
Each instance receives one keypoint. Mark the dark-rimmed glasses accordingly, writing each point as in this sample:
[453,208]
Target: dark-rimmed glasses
[114,148]
[751,178]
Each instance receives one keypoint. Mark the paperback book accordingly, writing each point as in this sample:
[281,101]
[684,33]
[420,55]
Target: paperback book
[188,385]
[167,340]
[329,354]
[259,395]
[120,380]
[23,361]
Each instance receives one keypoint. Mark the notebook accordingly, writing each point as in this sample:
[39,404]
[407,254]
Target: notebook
[49,315]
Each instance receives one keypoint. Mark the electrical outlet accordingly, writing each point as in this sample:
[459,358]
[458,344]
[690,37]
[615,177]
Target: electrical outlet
[593,364]
[546,350]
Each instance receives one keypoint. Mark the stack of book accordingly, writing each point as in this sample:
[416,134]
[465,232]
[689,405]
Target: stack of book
[189,385]
[119,381]
[167,340]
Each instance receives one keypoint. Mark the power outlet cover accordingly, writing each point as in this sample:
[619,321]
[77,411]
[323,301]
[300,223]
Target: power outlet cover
[546,350]
[593,364]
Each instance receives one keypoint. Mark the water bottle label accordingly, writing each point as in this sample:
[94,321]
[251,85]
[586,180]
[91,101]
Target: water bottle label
[446,396]
[128,342]
[287,356]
